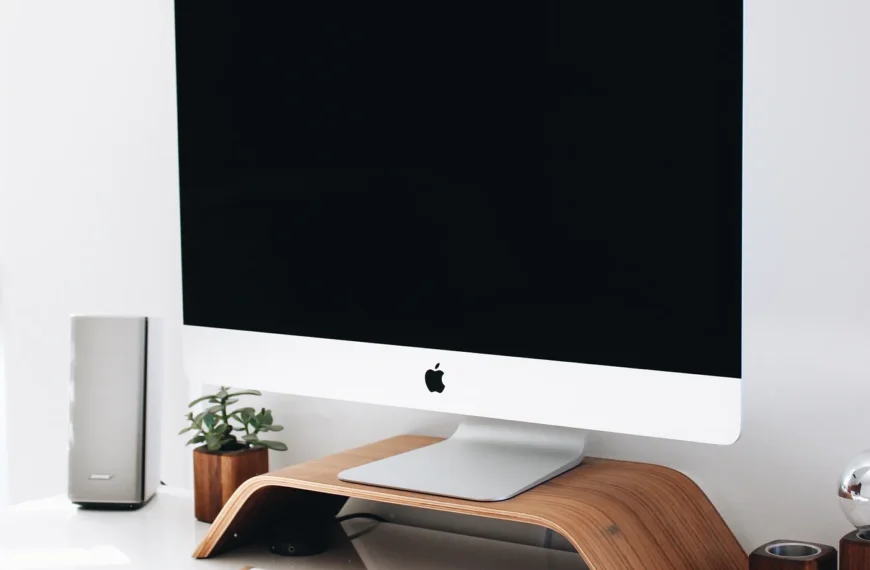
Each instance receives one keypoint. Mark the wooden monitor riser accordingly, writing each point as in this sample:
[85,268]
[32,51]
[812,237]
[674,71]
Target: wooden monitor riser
[618,515]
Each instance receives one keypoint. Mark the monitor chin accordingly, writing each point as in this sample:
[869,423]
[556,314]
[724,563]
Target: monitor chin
[670,405]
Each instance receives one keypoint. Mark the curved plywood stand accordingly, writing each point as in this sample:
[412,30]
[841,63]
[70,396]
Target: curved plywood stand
[618,515]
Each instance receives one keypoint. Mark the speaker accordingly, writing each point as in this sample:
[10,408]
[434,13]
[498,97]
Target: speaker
[114,437]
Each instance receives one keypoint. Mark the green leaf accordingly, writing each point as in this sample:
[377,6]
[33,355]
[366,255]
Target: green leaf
[200,399]
[221,429]
[198,418]
[250,438]
[231,401]
[247,393]
[213,409]
[196,439]
[222,395]
[187,429]
[213,442]
[209,420]
[267,418]
[245,414]
[276,445]
[272,428]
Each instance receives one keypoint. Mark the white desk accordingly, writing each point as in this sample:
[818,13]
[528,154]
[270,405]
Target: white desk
[53,533]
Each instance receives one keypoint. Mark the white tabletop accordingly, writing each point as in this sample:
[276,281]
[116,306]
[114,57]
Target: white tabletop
[53,533]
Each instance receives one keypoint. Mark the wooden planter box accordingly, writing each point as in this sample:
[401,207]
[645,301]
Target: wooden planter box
[216,475]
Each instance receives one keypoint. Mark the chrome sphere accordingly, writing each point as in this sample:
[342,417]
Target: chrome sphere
[855,491]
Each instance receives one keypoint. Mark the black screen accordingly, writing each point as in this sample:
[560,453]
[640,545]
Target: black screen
[552,179]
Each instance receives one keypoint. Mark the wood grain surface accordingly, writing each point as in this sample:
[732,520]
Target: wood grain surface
[218,475]
[618,515]
[854,552]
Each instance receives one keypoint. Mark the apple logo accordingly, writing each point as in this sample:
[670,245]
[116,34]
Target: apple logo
[434,379]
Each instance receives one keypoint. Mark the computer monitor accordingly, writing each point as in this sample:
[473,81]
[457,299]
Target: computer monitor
[513,211]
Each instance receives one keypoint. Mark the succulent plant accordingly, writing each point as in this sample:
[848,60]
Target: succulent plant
[214,425]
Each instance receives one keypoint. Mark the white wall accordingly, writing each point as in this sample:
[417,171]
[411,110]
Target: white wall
[4,453]
[88,210]
[5,30]
[88,216]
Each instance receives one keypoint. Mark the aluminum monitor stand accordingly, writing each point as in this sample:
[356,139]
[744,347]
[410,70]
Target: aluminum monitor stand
[484,460]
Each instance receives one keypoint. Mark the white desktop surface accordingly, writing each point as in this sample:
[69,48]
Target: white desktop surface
[53,533]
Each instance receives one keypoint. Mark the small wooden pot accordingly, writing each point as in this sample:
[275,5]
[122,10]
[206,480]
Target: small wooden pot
[855,550]
[217,474]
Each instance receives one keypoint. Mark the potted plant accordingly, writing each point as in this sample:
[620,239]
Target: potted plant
[232,451]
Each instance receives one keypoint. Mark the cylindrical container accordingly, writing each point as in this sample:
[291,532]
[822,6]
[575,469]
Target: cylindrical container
[793,555]
[855,550]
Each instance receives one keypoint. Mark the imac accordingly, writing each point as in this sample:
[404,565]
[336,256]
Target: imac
[528,214]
